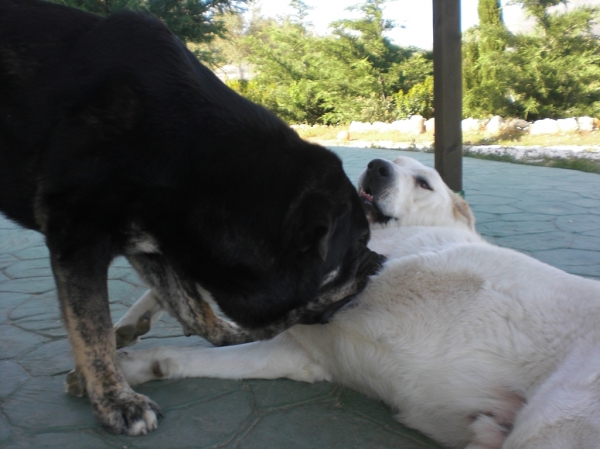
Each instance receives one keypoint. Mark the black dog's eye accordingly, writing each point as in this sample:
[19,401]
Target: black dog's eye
[422,182]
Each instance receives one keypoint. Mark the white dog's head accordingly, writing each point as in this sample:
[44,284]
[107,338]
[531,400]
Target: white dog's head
[407,193]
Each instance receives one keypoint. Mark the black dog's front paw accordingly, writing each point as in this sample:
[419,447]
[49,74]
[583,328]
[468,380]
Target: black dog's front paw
[134,414]
[131,413]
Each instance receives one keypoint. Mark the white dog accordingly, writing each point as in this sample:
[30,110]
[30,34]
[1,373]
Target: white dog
[474,345]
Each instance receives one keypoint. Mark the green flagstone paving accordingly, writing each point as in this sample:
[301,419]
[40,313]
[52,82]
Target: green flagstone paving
[551,214]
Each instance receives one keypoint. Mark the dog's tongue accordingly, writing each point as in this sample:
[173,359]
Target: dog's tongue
[366,196]
[369,207]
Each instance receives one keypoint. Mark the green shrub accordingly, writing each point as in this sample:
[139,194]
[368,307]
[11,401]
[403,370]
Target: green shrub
[375,109]
[417,101]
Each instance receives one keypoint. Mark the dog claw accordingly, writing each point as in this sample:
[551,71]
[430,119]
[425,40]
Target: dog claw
[129,334]
[75,385]
[134,415]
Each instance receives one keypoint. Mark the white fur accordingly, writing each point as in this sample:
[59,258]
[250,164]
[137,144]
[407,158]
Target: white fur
[466,341]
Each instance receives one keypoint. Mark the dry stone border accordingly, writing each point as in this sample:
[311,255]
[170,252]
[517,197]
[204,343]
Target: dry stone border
[417,125]
[495,125]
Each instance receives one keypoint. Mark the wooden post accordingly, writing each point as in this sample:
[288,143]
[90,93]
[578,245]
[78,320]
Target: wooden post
[447,91]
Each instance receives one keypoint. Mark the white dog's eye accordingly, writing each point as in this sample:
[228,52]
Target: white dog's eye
[422,182]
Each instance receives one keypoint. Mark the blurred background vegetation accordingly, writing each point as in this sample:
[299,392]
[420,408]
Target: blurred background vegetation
[356,73]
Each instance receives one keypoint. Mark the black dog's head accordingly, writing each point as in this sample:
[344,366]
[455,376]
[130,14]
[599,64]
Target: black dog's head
[276,233]
[284,237]
[331,232]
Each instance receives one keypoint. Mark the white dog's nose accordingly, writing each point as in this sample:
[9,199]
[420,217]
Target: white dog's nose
[380,168]
[378,176]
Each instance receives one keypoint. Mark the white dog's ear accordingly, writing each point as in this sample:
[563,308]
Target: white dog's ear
[462,211]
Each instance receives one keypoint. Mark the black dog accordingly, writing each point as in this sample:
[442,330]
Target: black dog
[114,140]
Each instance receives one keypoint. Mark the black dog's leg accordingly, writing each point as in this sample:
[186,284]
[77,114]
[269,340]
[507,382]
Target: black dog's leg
[80,268]
[183,300]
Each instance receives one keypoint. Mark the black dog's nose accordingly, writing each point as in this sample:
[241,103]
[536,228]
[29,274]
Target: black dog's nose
[379,168]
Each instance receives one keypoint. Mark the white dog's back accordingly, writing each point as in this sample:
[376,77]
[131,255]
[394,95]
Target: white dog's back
[451,334]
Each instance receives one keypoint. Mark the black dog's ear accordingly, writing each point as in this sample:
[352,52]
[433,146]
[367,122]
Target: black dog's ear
[318,235]
[314,222]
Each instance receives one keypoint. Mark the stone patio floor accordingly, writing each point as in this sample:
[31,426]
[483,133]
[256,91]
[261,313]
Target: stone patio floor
[551,214]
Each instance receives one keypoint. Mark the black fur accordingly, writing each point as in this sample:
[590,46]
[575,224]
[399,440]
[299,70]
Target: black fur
[111,132]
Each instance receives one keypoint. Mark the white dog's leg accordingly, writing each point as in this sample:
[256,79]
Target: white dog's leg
[488,433]
[490,428]
[138,320]
[564,412]
[279,357]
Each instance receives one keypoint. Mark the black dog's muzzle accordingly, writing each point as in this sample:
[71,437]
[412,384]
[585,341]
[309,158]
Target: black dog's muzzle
[369,265]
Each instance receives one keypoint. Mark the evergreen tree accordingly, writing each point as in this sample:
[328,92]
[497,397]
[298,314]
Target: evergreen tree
[350,75]
[490,22]
[489,12]
[553,72]
[288,63]
[194,21]
[485,89]
[365,39]
[556,71]
[233,46]
[539,10]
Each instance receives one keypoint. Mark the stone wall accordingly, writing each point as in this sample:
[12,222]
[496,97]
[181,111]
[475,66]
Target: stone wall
[496,125]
